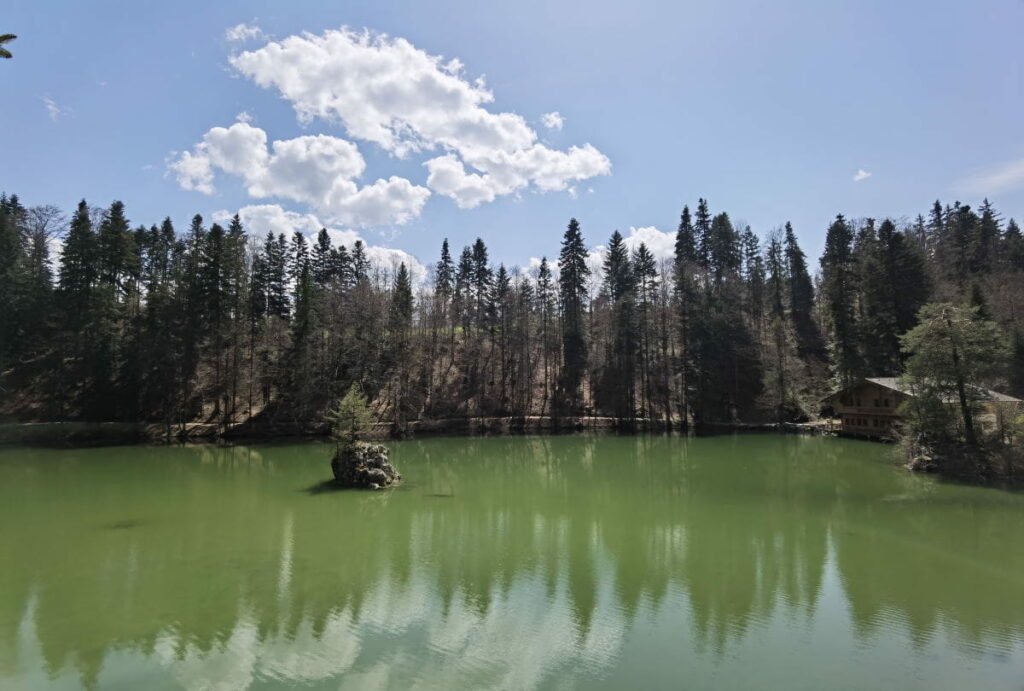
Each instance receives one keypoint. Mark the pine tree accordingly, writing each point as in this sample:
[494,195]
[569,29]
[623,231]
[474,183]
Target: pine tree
[753,276]
[323,251]
[360,263]
[702,234]
[1012,252]
[399,326]
[77,275]
[723,244]
[276,257]
[778,269]
[341,270]
[481,279]
[549,344]
[572,284]
[617,387]
[646,277]
[952,353]
[838,282]
[985,239]
[444,277]
[686,246]
[686,268]
[464,302]
[801,299]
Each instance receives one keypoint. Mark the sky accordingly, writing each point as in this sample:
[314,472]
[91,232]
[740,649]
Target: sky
[403,123]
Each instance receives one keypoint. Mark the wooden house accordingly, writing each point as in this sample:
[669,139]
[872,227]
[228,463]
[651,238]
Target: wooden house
[870,408]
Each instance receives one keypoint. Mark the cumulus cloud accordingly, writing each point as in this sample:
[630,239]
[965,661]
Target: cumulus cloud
[386,91]
[259,219]
[1000,178]
[553,121]
[661,244]
[240,33]
[861,174]
[318,170]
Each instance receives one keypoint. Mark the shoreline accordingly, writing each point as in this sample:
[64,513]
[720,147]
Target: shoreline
[74,433]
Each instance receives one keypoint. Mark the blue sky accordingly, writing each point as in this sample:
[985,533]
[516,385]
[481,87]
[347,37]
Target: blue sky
[769,110]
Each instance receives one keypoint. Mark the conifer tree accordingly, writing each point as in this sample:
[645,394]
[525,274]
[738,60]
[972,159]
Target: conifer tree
[1013,247]
[399,325]
[549,344]
[702,233]
[645,272]
[444,277]
[801,298]
[572,285]
[838,282]
[360,263]
[618,381]
[322,253]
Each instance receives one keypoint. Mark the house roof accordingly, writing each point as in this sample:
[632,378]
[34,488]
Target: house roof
[895,384]
[890,383]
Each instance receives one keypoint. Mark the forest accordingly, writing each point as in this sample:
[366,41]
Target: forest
[149,324]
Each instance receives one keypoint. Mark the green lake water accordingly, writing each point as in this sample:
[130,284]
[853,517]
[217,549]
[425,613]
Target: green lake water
[597,562]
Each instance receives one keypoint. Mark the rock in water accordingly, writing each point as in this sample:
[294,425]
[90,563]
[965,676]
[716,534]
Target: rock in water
[359,464]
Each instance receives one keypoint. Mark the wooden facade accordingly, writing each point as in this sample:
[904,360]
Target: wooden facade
[870,408]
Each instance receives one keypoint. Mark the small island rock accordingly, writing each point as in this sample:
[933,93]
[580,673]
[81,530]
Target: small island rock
[363,465]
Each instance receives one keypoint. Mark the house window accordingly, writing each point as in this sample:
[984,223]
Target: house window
[886,402]
[858,403]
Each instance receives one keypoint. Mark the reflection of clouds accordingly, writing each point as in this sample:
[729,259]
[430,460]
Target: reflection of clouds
[515,644]
[585,560]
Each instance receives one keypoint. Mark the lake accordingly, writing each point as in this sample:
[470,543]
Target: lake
[732,562]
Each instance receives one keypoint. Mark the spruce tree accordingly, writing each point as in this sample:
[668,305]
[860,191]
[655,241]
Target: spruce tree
[617,385]
[360,263]
[444,275]
[1012,252]
[723,243]
[702,233]
[645,272]
[321,259]
[838,295]
[801,298]
[572,288]
[549,345]
[985,239]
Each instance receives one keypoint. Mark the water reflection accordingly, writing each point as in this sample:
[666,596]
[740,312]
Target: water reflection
[514,563]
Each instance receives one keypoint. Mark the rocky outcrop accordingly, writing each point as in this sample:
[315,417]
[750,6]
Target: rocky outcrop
[363,465]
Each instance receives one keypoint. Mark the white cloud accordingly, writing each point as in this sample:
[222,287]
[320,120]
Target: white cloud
[53,109]
[861,174]
[386,91]
[318,170]
[553,121]
[241,33]
[448,176]
[258,219]
[661,245]
[1005,176]
[245,116]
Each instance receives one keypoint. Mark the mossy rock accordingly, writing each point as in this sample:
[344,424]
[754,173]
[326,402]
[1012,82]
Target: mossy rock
[363,465]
